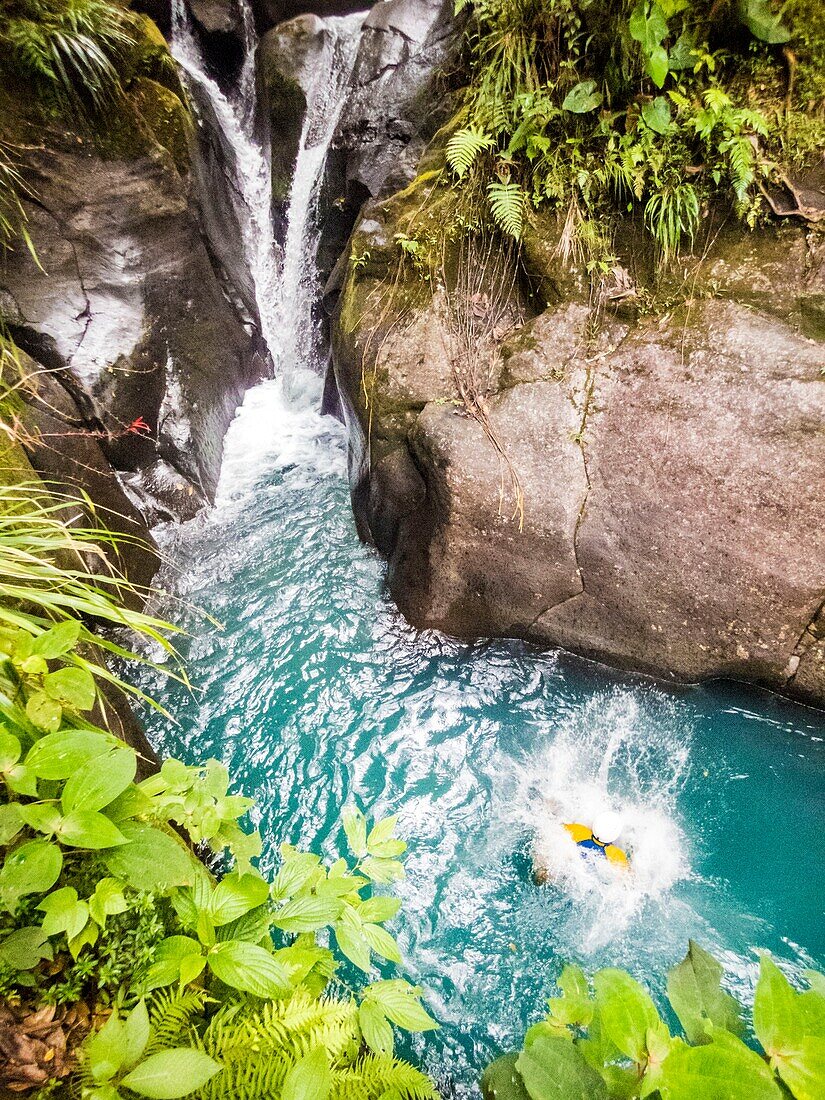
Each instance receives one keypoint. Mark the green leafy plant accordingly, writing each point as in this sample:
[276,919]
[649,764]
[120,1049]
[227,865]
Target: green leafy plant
[116,1059]
[597,108]
[607,1041]
[70,49]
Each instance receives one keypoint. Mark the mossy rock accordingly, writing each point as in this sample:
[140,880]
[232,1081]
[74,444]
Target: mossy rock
[166,117]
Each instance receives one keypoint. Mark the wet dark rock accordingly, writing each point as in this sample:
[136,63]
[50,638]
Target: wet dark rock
[128,309]
[219,27]
[289,58]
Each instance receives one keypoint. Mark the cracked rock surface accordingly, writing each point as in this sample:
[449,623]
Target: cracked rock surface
[671,465]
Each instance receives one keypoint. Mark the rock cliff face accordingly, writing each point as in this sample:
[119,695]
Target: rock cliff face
[644,488]
[390,112]
[124,314]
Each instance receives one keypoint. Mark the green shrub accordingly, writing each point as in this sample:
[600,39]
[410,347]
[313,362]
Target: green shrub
[604,107]
[608,1042]
[102,899]
[67,49]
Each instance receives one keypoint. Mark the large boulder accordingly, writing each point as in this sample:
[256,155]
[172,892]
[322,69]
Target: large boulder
[391,112]
[640,488]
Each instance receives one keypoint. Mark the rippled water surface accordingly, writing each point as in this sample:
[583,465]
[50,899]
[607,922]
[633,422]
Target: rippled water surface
[316,692]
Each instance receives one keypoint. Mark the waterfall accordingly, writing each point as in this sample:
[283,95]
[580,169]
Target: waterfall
[325,104]
[252,194]
[285,282]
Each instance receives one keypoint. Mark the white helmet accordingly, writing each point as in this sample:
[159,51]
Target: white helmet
[607,827]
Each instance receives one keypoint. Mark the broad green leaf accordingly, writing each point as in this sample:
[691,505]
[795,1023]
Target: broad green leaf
[107,1049]
[381,942]
[252,927]
[191,968]
[71,687]
[803,1071]
[107,900]
[64,913]
[59,755]
[100,781]
[355,826]
[349,935]
[763,22]
[626,1011]
[656,114]
[722,1070]
[22,780]
[89,829]
[553,1069]
[25,948]
[43,817]
[502,1081]
[9,749]
[172,1073]
[647,25]
[169,955]
[379,908]
[307,914]
[11,822]
[658,65]
[401,1004]
[136,1034]
[338,886]
[381,832]
[382,870]
[152,860]
[575,1008]
[310,1078]
[696,996]
[298,871]
[236,895]
[32,868]
[375,1027]
[44,712]
[58,640]
[791,1028]
[778,1019]
[250,968]
[582,98]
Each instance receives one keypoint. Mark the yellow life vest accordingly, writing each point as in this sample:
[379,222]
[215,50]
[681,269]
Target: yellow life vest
[584,839]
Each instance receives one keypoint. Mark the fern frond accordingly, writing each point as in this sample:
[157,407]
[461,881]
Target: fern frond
[507,205]
[376,1074]
[173,1014]
[464,147]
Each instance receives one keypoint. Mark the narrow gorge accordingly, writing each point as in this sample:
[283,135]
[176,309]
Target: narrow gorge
[463,515]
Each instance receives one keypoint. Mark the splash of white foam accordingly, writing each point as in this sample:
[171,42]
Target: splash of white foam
[608,756]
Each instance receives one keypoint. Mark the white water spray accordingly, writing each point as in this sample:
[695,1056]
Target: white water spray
[608,756]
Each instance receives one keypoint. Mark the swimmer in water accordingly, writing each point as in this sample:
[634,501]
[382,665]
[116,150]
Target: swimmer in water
[596,842]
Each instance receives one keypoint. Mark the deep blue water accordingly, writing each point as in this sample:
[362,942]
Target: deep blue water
[316,691]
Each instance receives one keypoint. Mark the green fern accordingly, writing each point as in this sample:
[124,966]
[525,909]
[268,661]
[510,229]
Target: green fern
[507,205]
[464,147]
[174,1015]
[376,1074]
[71,48]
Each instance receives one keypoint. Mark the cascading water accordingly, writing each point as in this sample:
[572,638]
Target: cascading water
[317,692]
[252,191]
